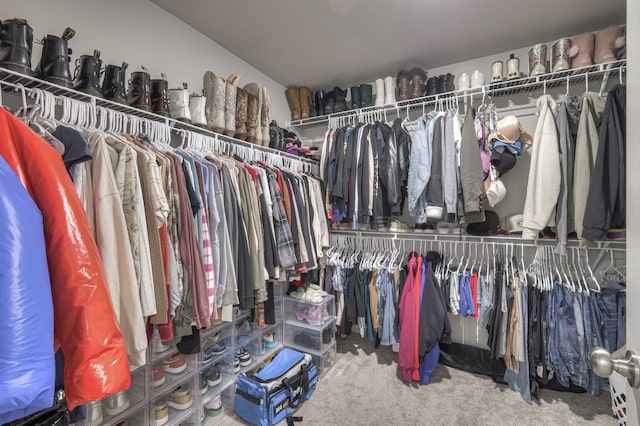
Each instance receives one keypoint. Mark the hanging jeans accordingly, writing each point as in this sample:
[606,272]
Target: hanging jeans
[520,381]
[567,335]
[607,300]
[387,307]
[366,279]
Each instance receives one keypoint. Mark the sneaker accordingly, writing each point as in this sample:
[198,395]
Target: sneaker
[180,398]
[213,350]
[213,407]
[213,376]
[116,403]
[269,340]
[94,413]
[158,375]
[231,366]
[243,357]
[311,315]
[204,386]
[174,364]
[160,412]
[317,289]
[325,313]
[425,228]
[256,347]
[245,328]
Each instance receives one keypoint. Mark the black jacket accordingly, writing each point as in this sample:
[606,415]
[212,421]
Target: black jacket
[606,200]
[433,324]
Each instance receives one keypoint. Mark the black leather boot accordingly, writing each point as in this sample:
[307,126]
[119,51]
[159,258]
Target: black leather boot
[417,77]
[160,96]
[340,97]
[139,93]
[276,136]
[442,83]
[355,97]
[366,95]
[87,75]
[313,111]
[54,63]
[16,42]
[319,95]
[329,103]
[113,83]
[403,83]
[448,83]
[432,86]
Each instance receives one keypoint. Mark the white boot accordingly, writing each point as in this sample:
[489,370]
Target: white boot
[179,104]
[230,104]
[379,92]
[214,91]
[196,106]
[389,91]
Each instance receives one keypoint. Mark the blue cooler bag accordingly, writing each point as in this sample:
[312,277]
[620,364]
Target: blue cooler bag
[270,395]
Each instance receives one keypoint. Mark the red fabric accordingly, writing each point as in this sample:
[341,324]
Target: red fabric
[408,324]
[166,330]
[85,325]
[473,282]
[417,288]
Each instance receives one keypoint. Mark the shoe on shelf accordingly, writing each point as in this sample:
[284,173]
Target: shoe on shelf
[306,296]
[257,347]
[269,339]
[158,375]
[174,364]
[243,357]
[204,385]
[425,228]
[158,347]
[317,289]
[213,407]
[116,403]
[305,340]
[215,349]
[325,313]
[180,398]
[213,376]
[231,365]
[94,413]
[160,412]
[311,315]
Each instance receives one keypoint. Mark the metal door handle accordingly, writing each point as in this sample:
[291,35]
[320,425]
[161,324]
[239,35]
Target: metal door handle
[603,365]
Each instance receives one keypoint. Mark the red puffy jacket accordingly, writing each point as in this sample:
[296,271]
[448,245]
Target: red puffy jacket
[84,323]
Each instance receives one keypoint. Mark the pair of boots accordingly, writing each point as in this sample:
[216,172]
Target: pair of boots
[441,84]
[239,112]
[16,44]
[147,94]
[187,107]
[299,100]
[601,47]
[361,96]
[411,84]
[333,101]
[385,92]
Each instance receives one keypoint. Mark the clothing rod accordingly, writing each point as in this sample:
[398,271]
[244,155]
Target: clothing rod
[470,239]
[512,87]
[29,84]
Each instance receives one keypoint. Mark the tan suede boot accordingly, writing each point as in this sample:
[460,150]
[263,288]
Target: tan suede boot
[254,89]
[305,102]
[252,117]
[293,99]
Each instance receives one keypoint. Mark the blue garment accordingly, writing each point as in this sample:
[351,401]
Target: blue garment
[581,376]
[429,364]
[366,279]
[520,381]
[27,361]
[567,336]
[607,300]
[386,307]
[486,302]
[420,167]
[466,297]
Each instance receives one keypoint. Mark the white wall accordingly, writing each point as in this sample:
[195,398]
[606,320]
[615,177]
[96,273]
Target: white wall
[140,33]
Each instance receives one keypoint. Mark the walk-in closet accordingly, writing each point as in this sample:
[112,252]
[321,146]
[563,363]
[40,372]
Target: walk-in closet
[319,212]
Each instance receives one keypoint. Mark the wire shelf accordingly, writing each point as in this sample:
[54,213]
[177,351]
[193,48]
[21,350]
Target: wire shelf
[522,85]
[17,80]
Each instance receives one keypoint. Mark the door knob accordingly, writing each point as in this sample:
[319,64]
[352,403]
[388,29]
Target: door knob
[629,366]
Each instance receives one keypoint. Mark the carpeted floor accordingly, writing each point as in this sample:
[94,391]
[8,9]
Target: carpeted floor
[364,388]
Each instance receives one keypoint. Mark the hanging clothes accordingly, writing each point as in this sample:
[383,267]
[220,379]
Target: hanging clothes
[85,324]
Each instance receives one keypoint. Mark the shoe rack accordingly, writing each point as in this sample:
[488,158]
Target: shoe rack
[19,82]
[167,370]
[526,85]
[311,328]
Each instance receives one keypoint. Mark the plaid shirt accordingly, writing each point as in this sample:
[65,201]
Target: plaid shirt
[284,239]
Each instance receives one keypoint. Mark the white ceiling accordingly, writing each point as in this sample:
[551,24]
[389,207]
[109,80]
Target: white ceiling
[322,43]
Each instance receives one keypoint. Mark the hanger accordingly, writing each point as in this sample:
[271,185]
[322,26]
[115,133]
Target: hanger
[591,276]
